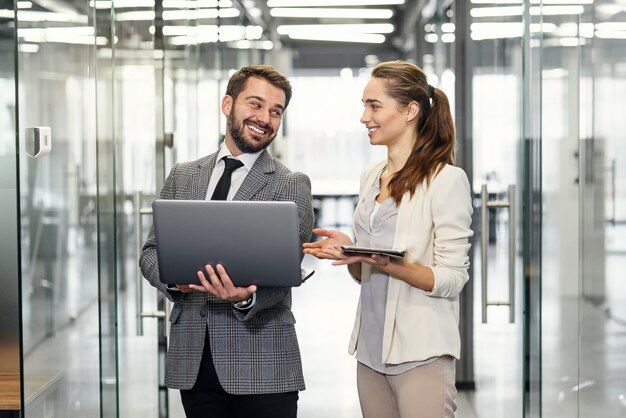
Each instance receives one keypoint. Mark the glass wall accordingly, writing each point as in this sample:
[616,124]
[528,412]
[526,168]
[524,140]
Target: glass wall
[10,334]
[544,82]
[58,202]
[129,88]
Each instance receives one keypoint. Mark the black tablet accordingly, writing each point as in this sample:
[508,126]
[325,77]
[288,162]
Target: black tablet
[389,252]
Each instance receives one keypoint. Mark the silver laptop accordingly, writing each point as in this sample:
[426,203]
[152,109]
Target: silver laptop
[257,242]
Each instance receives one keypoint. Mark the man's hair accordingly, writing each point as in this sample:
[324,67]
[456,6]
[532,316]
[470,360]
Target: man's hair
[238,80]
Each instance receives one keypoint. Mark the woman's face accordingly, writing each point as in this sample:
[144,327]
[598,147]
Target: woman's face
[384,118]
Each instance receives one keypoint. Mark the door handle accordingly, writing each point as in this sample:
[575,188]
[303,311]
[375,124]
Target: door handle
[484,218]
[139,213]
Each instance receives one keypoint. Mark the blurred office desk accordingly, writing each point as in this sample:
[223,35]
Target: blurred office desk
[334,202]
[10,395]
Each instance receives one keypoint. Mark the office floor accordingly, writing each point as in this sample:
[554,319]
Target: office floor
[324,308]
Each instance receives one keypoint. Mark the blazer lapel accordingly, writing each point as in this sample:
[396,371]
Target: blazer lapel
[257,178]
[199,178]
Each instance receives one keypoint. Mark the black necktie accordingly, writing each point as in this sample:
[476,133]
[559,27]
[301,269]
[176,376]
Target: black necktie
[223,185]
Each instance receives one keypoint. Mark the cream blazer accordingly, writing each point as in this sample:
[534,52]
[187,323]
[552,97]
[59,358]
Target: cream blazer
[434,228]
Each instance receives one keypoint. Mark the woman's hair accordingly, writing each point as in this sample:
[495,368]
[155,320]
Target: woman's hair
[238,80]
[434,131]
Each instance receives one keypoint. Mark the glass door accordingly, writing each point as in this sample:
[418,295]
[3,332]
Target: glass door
[58,218]
[495,74]
[487,56]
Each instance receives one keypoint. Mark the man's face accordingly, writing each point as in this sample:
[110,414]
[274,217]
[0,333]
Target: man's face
[253,119]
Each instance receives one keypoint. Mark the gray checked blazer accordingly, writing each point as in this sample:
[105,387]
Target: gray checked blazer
[255,351]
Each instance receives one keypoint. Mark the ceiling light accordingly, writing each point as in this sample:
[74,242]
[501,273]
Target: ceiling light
[520,2]
[245,44]
[611,26]
[193,4]
[519,10]
[321,3]
[447,27]
[496,30]
[347,28]
[121,4]
[39,16]
[496,11]
[571,41]
[322,13]
[556,10]
[31,48]
[610,34]
[370,38]
[25,5]
[188,14]
[447,38]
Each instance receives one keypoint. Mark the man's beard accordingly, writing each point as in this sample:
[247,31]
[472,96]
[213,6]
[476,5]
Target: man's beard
[237,134]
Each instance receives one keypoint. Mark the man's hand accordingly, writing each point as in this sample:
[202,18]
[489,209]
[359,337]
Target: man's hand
[221,286]
[184,288]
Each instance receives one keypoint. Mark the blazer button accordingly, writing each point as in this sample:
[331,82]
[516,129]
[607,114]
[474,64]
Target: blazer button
[203,312]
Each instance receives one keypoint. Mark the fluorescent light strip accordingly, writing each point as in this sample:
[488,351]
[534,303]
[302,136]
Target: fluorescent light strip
[611,26]
[447,27]
[38,16]
[496,11]
[199,14]
[347,28]
[497,30]
[534,11]
[64,31]
[250,33]
[120,4]
[196,4]
[245,44]
[167,4]
[322,13]
[82,35]
[571,29]
[177,14]
[520,2]
[30,48]
[447,38]
[610,34]
[25,5]
[556,10]
[368,38]
[322,3]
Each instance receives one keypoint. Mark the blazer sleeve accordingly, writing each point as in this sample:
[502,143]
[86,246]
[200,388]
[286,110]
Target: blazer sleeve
[148,261]
[451,208]
[298,190]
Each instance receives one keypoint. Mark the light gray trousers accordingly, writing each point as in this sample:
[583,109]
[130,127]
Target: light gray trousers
[426,391]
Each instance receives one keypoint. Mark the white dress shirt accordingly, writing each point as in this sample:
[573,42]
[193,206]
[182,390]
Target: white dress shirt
[239,174]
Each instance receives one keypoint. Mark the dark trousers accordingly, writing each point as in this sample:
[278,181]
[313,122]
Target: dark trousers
[207,399]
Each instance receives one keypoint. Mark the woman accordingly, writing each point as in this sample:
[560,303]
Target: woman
[406,333]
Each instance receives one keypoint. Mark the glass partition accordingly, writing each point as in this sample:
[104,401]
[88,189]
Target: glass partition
[11,376]
[601,181]
[58,210]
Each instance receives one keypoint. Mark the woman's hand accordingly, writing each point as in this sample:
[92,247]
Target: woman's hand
[329,248]
[375,260]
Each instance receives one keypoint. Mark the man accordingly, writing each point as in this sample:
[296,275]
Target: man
[233,351]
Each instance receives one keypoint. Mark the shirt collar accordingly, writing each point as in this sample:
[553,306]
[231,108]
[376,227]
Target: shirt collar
[247,159]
